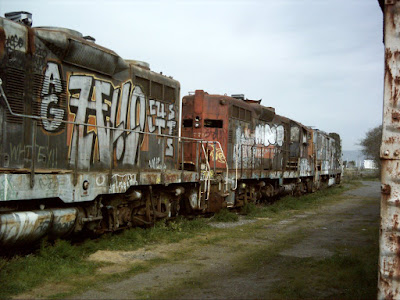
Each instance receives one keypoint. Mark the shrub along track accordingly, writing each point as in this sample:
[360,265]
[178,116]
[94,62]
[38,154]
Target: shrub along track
[324,252]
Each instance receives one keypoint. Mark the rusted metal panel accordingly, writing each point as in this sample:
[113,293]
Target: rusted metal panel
[206,117]
[389,259]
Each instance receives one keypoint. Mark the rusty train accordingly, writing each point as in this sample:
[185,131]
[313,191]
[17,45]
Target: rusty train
[93,142]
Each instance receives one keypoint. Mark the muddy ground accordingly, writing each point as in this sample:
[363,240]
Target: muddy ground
[247,260]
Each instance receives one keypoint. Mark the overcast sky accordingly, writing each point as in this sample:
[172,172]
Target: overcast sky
[319,62]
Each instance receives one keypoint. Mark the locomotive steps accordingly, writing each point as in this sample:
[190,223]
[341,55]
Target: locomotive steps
[331,238]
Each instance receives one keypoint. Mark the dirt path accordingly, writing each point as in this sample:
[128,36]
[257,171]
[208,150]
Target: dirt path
[246,261]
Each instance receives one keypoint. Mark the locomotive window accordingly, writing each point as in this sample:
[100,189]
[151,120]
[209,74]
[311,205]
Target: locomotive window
[213,123]
[188,123]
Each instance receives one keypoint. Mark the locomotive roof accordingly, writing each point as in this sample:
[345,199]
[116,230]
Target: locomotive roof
[253,105]
[69,39]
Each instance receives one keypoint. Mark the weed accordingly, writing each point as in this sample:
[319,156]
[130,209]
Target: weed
[249,209]
[224,215]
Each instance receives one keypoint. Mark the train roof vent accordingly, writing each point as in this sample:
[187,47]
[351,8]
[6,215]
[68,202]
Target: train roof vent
[238,96]
[22,17]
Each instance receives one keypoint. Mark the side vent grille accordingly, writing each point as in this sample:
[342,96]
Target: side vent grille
[15,94]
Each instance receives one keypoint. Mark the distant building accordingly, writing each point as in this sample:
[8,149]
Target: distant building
[353,159]
[369,164]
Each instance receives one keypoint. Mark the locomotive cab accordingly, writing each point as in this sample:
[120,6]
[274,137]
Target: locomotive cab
[205,117]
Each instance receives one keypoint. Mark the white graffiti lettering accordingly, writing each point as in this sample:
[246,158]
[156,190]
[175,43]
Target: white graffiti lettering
[50,95]
[156,120]
[101,106]
[155,163]
[93,101]
[121,183]
[269,135]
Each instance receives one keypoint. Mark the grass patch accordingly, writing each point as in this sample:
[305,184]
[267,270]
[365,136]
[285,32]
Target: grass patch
[351,273]
[49,263]
[224,215]
[342,276]
[249,259]
[289,203]
[61,262]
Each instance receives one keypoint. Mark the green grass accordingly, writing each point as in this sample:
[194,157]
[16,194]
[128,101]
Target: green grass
[62,262]
[289,203]
[351,275]
[50,263]
[224,215]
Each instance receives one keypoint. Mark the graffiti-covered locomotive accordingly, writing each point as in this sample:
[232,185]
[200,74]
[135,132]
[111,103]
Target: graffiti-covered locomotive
[90,141]
[261,154]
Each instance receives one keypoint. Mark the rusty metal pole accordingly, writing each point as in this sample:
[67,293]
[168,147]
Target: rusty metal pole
[389,257]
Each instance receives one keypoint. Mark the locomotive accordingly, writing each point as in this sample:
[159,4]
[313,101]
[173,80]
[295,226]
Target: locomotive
[260,154]
[90,141]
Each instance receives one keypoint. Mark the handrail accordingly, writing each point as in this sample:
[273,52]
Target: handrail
[226,164]
[236,169]
[206,173]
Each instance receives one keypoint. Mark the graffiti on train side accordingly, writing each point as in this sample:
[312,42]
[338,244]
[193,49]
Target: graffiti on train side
[50,106]
[102,105]
[121,183]
[219,154]
[269,134]
[159,119]
[96,102]
[250,146]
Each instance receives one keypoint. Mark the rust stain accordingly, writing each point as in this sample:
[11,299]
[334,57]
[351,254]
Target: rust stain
[31,41]
[390,140]
[386,189]
[396,224]
[396,116]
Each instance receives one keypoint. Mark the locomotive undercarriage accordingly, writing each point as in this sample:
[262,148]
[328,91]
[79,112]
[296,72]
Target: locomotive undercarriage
[139,206]
[258,191]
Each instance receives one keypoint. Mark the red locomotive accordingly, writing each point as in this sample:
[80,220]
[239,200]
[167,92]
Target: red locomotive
[261,154]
